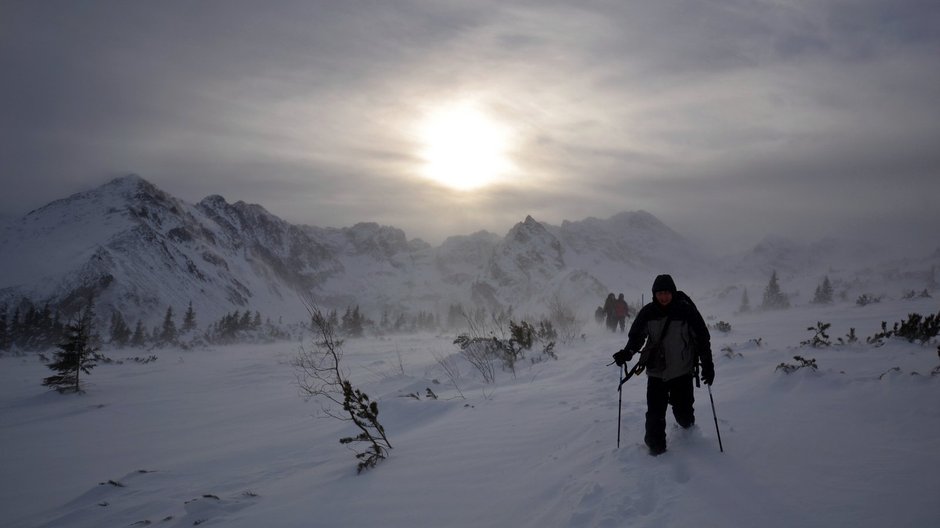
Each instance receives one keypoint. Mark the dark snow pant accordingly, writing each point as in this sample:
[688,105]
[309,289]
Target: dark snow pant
[660,394]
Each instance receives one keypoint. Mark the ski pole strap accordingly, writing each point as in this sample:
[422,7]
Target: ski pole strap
[638,368]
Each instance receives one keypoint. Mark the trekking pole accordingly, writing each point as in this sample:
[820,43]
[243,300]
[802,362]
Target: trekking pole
[714,416]
[619,406]
[627,374]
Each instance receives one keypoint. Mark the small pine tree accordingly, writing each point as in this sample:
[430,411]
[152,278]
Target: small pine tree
[774,299]
[120,332]
[13,330]
[139,339]
[244,323]
[353,322]
[189,319]
[167,333]
[77,354]
[4,333]
[823,293]
[820,336]
[745,303]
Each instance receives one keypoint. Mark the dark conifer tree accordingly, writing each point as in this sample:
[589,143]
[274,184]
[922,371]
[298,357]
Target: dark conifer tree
[120,332]
[77,354]
[774,299]
[455,315]
[823,293]
[167,333]
[189,319]
[353,322]
[244,323]
[4,332]
[139,339]
[13,328]
[27,331]
[45,334]
[745,303]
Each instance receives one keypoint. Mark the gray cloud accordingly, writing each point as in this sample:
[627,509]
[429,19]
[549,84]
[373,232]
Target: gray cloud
[729,120]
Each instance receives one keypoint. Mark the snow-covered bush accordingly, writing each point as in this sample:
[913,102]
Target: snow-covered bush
[911,294]
[820,338]
[866,299]
[915,328]
[482,351]
[563,316]
[319,376]
[849,338]
[918,328]
[803,363]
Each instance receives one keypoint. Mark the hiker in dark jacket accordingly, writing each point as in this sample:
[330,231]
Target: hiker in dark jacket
[610,314]
[669,334]
[621,311]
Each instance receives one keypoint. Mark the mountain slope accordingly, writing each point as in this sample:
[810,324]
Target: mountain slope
[139,249]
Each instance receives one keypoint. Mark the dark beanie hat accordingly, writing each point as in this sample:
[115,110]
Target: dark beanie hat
[664,283]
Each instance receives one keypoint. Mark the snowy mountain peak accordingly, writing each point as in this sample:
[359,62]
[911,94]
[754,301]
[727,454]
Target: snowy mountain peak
[527,230]
[529,253]
[372,238]
[139,250]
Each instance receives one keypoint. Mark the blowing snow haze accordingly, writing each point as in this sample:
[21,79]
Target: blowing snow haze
[727,121]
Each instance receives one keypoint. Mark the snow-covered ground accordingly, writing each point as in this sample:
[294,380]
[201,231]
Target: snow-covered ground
[221,437]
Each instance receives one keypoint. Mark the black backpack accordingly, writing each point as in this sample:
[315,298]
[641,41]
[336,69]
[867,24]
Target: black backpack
[681,296]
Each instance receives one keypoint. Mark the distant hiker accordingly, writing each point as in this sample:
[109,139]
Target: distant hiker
[599,315]
[621,312]
[671,338]
[609,312]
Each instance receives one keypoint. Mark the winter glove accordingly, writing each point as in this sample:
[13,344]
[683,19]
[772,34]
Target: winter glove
[622,356]
[708,373]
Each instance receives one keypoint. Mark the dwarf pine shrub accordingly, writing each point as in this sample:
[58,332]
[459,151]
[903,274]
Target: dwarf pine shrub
[820,338]
[803,363]
[320,376]
[365,414]
[866,299]
[481,351]
[915,328]
[849,338]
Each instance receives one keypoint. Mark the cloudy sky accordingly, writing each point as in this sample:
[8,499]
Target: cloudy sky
[728,120]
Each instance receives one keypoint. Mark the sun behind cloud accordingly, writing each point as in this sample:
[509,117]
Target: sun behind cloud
[463,147]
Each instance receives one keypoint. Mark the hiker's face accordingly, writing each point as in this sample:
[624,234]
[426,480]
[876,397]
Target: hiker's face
[664,297]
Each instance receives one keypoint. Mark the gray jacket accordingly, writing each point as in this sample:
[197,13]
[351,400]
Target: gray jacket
[673,354]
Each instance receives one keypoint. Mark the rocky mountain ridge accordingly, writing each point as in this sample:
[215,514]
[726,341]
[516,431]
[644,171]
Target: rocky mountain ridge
[138,250]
